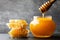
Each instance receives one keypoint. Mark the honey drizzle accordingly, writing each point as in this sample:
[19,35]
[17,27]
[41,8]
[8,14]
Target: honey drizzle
[43,15]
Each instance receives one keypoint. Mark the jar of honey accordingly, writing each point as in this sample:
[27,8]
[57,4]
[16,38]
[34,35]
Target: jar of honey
[42,27]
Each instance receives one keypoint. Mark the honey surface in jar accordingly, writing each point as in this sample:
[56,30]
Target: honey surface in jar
[42,27]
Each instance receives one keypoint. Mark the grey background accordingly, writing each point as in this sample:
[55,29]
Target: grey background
[25,9]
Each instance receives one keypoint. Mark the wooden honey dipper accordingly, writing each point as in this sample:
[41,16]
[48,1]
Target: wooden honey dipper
[46,6]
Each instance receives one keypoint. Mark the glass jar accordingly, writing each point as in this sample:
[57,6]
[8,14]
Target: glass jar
[42,27]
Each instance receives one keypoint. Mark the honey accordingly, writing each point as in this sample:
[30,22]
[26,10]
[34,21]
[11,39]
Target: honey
[18,28]
[42,26]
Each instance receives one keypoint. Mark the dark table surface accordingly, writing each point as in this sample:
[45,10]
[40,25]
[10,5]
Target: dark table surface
[7,37]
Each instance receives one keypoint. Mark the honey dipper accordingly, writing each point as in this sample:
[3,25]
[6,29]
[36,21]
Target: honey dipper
[46,6]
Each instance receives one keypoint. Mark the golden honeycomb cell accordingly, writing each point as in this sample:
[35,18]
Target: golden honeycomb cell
[17,23]
[11,25]
[12,21]
[16,32]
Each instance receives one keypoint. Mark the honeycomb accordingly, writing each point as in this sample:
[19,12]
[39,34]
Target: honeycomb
[18,28]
